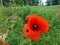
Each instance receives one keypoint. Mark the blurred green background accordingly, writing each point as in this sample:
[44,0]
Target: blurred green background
[12,19]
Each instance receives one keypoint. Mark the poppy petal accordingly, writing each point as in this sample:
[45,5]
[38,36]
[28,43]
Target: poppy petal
[0,41]
[29,33]
[45,25]
[28,17]
[6,44]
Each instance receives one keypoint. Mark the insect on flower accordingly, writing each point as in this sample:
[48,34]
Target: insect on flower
[35,25]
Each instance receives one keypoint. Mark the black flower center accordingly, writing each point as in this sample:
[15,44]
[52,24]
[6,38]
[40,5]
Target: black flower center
[27,30]
[35,27]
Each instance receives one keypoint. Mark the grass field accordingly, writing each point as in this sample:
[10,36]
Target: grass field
[12,20]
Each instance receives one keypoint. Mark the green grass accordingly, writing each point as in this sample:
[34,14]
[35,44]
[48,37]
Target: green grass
[13,17]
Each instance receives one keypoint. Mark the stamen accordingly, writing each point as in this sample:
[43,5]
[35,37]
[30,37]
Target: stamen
[35,27]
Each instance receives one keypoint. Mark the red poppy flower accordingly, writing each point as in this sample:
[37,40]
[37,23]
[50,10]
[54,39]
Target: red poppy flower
[6,44]
[0,41]
[35,25]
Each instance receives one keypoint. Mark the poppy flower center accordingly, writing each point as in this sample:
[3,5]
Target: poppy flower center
[27,30]
[35,27]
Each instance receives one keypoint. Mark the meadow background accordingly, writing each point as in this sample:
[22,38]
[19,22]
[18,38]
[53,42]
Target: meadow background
[12,19]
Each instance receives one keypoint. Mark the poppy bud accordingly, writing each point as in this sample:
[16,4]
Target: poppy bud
[4,31]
